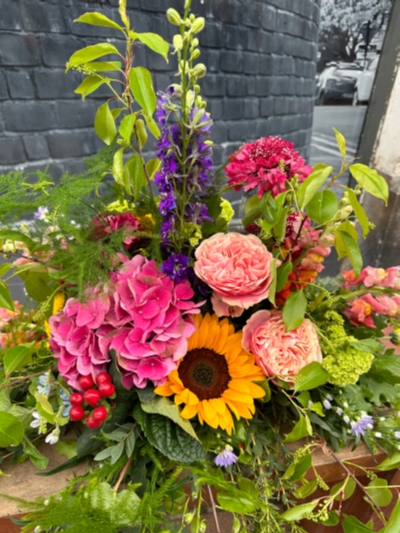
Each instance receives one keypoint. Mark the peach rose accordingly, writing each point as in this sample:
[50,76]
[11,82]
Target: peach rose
[277,352]
[238,269]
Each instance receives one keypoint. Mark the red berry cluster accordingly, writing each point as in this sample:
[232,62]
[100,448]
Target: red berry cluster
[91,397]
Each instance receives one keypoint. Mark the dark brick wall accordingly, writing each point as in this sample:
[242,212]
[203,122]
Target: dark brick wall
[260,54]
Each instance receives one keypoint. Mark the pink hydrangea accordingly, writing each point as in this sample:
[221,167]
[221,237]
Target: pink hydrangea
[238,269]
[362,310]
[278,352]
[266,164]
[142,314]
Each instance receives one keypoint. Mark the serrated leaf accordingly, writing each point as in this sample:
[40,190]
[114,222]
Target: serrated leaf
[98,19]
[299,512]
[17,357]
[341,142]
[11,430]
[142,88]
[163,406]
[370,180]
[311,184]
[310,377]
[154,41]
[89,53]
[322,207]
[294,310]
[359,211]
[169,438]
[302,429]
[104,124]
[6,300]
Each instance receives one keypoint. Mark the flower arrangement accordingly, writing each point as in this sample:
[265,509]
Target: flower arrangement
[187,357]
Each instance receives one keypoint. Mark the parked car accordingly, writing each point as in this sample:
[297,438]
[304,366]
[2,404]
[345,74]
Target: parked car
[337,82]
[363,87]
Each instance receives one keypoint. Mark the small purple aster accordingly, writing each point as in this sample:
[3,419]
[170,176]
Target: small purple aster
[41,213]
[358,427]
[177,267]
[226,457]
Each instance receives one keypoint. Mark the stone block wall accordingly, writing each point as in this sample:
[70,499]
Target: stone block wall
[260,55]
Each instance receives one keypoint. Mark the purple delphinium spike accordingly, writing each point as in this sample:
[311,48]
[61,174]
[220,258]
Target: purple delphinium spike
[226,457]
[185,166]
[358,427]
[177,267]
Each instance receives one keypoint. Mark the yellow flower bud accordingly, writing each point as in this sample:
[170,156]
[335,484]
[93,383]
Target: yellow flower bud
[198,25]
[174,17]
[199,70]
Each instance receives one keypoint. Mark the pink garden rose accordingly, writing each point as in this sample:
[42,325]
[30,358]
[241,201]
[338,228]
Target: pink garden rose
[279,352]
[238,269]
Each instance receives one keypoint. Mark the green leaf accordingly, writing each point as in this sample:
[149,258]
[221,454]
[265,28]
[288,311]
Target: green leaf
[341,142]
[15,235]
[351,524]
[359,211]
[44,407]
[390,463]
[169,438]
[89,53]
[310,185]
[152,167]
[347,246]
[306,490]
[346,488]
[302,429]
[310,377]
[130,444]
[272,288]
[152,125]
[137,175]
[64,466]
[67,448]
[104,66]
[98,19]
[299,512]
[118,167]
[11,430]
[265,386]
[322,207]
[301,467]
[6,300]
[104,124]
[379,492]
[38,459]
[17,357]
[142,88]
[36,287]
[394,520]
[294,310]
[5,268]
[89,85]
[279,228]
[235,503]
[106,453]
[370,180]
[154,41]
[163,406]
[283,272]
[126,126]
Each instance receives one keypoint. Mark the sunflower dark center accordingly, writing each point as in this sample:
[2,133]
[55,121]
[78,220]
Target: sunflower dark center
[205,373]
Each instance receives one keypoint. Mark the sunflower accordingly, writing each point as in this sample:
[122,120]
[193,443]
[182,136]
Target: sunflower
[215,378]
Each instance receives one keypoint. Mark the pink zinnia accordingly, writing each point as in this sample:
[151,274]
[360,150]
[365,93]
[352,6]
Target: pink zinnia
[266,164]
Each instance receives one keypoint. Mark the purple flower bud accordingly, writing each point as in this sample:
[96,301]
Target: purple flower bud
[226,457]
